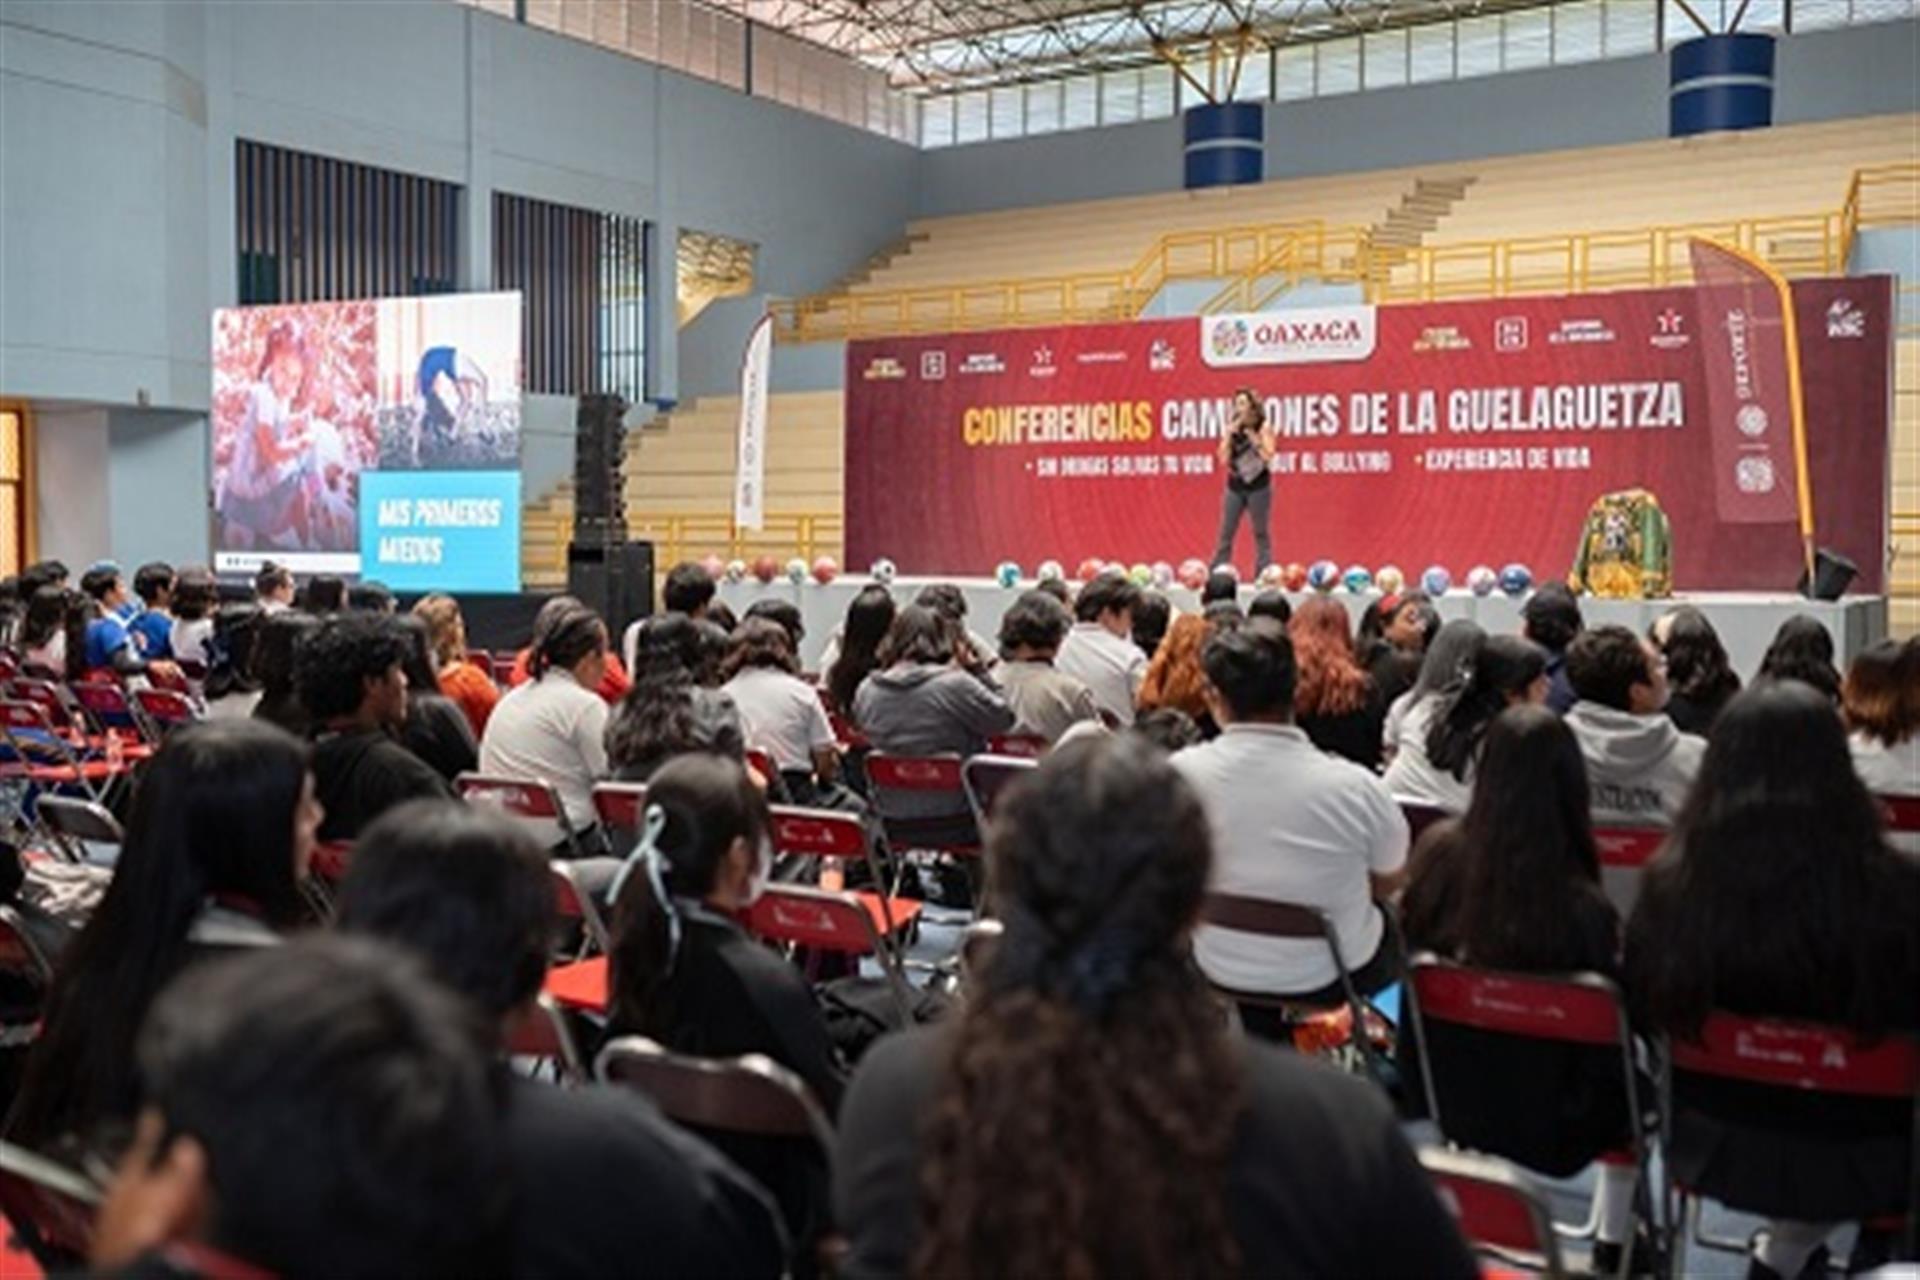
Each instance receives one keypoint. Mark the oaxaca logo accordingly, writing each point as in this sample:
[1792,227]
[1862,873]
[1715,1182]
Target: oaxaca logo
[1307,336]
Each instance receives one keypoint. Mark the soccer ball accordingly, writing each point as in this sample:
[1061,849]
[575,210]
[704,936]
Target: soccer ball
[1272,576]
[736,571]
[1141,575]
[1162,574]
[1357,578]
[1193,574]
[1516,579]
[796,571]
[1089,569]
[1007,574]
[1390,580]
[1294,576]
[1481,580]
[1436,581]
[1050,571]
[883,572]
[1324,576]
[825,570]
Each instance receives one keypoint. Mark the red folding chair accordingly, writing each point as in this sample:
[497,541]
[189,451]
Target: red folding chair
[986,776]
[532,798]
[1902,813]
[166,709]
[543,1032]
[1624,855]
[54,700]
[52,1207]
[110,710]
[1794,1058]
[1503,1214]
[577,907]
[899,784]
[503,664]
[174,681]
[830,833]
[749,1095]
[797,916]
[1027,746]
[762,763]
[1576,1009]
[50,757]
[620,805]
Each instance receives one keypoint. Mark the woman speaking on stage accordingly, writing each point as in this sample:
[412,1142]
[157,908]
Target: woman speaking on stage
[1246,449]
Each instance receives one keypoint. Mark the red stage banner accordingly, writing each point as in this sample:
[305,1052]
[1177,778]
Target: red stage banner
[1456,433]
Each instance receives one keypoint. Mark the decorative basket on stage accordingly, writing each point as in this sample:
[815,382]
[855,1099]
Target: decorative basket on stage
[1626,549]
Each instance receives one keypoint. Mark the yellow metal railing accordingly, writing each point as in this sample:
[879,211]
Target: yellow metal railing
[1260,262]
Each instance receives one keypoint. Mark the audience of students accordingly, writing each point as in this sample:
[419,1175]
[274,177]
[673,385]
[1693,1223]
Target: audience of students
[231,688]
[151,622]
[1881,703]
[1440,738]
[1802,649]
[1699,675]
[1446,660]
[554,727]
[1779,896]
[436,729]
[273,587]
[1338,705]
[325,594]
[274,665]
[614,680]
[599,1175]
[784,614]
[220,832]
[922,701]
[1087,1113]
[353,686]
[1046,701]
[44,629]
[471,688]
[1099,650]
[779,712]
[1392,638]
[1551,619]
[195,600]
[671,711]
[1639,765]
[1271,603]
[1290,823]
[108,642]
[852,652]
[312,1113]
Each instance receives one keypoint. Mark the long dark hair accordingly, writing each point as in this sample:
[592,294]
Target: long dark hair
[1802,650]
[1448,657]
[1501,670]
[1777,880]
[1697,665]
[570,636]
[1083,1123]
[212,816]
[868,618]
[759,642]
[46,614]
[656,717]
[919,634]
[708,801]
[1530,867]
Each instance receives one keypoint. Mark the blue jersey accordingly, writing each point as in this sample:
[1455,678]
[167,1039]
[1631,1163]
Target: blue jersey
[152,634]
[105,637]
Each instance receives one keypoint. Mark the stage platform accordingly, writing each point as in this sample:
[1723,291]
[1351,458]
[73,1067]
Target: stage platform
[1746,621]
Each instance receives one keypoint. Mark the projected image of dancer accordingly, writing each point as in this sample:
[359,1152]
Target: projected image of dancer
[453,390]
[1246,450]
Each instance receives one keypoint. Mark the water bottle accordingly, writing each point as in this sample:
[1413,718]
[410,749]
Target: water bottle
[833,875]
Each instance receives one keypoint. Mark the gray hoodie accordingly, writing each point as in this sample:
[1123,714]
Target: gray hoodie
[928,709]
[1639,767]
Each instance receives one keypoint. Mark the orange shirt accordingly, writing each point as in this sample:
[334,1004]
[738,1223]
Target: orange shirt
[613,685]
[473,691]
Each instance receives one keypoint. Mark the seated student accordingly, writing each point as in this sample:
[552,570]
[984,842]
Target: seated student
[1175,679]
[151,623]
[950,602]
[613,683]
[555,728]
[784,613]
[472,689]
[601,1179]
[218,838]
[1881,704]
[853,650]
[687,590]
[780,713]
[1698,672]
[325,595]
[1802,649]
[1100,649]
[436,728]
[274,670]
[1290,823]
[1551,619]
[109,646]
[1337,704]
[1440,738]
[1223,584]
[1638,764]
[1151,618]
[368,596]
[43,630]
[353,684]
[1271,604]
[273,588]
[1168,728]
[231,689]
[683,974]
[1515,885]
[1088,1113]
[314,1113]
[195,600]
[1778,896]
[1046,701]
[1447,658]
[1392,638]
[670,710]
